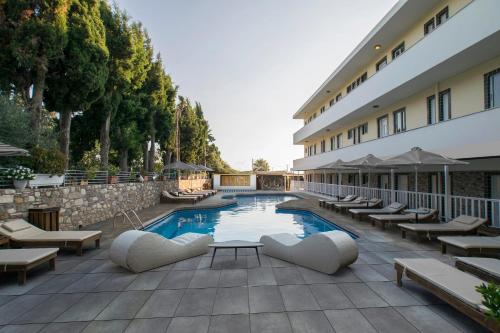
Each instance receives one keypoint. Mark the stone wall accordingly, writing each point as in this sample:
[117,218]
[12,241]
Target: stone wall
[83,205]
[470,184]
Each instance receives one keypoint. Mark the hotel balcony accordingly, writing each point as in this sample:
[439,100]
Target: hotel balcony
[472,136]
[469,38]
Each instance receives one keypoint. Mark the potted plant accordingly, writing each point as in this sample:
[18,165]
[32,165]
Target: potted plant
[491,300]
[113,174]
[20,176]
[49,166]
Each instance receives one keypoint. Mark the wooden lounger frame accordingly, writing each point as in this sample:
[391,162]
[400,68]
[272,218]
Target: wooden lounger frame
[23,269]
[430,219]
[473,251]
[458,304]
[480,273]
[77,245]
[436,233]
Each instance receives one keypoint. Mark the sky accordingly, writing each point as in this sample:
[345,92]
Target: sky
[252,64]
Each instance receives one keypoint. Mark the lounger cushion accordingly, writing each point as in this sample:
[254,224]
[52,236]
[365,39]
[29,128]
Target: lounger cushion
[455,282]
[24,256]
[464,223]
[16,225]
[472,242]
[464,219]
[396,205]
[490,265]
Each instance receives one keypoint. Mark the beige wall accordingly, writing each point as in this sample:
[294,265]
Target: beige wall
[410,37]
[467,96]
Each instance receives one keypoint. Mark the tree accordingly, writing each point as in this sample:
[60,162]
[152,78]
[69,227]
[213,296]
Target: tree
[77,80]
[260,164]
[32,34]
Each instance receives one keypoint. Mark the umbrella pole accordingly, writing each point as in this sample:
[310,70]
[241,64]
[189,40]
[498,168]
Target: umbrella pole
[447,200]
[416,187]
[393,187]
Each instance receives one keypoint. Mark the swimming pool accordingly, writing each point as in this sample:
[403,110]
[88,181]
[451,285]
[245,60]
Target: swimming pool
[249,219]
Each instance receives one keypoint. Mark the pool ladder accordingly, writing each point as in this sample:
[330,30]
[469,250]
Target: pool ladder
[137,225]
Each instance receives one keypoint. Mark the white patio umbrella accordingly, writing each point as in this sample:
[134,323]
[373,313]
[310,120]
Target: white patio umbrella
[367,162]
[417,157]
[338,167]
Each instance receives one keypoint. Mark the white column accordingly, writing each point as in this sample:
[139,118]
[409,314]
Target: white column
[393,182]
[447,198]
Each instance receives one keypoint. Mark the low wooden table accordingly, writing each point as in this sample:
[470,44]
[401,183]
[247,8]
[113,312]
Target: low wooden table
[236,244]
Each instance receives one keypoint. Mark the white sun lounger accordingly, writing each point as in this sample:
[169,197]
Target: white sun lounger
[487,269]
[393,208]
[482,245]
[23,260]
[139,251]
[430,216]
[325,251]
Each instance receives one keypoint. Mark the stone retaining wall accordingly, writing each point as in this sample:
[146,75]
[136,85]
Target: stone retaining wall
[83,205]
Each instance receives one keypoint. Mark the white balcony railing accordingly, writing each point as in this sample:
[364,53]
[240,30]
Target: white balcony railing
[478,207]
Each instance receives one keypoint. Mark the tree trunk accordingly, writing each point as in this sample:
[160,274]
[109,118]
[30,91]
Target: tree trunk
[105,142]
[152,149]
[124,159]
[36,104]
[145,156]
[64,134]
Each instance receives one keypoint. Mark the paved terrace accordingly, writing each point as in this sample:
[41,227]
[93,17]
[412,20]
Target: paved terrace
[90,294]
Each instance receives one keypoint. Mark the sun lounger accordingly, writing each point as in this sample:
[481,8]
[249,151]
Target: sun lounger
[325,251]
[23,260]
[487,269]
[166,197]
[461,225]
[449,284]
[393,208]
[331,201]
[383,220]
[24,234]
[368,204]
[472,245]
[140,251]
[359,200]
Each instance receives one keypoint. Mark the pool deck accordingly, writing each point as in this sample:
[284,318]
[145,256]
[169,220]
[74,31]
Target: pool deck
[91,294]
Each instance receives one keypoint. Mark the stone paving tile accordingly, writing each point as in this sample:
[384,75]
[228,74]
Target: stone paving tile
[35,278]
[270,323]
[56,284]
[232,300]
[425,320]
[265,299]
[162,303]
[329,296]
[49,309]
[73,327]
[298,298]
[86,266]
[116,282]
[148,325]
[367,274]
[253,262]
[312,277]
[125,306]
[233,278]
[88,307]
[372,258]
[349,321]
[387,270]
[106,326]
[280,263]
[30,328]
[205,279]
[6,298]
[261,277]
[176,280]
[309,322]
[388,320]
[196,302]
[344,275]
[62,266]
[362,296]
[288,275]
[189,325]
[147,281]
[393,294]
[107,266]
[87,283]
[230,263]
[229,324]
[22,304]
[188,264]
[457,319]
[420,293]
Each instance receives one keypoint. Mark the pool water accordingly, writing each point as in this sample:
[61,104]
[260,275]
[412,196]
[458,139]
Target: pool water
[249,219]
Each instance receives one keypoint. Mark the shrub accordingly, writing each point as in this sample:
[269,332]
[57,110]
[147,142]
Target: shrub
[113,170]
[18,173]
[491,295]
[50,161]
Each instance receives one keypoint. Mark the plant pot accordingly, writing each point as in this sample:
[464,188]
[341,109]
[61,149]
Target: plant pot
[46,180]
[146,178]
[20,184]
[112,179]
[84,182]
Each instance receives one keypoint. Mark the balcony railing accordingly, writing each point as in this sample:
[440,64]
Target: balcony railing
[459,205]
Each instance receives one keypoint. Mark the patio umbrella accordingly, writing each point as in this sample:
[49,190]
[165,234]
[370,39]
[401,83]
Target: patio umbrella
[367,162]
[8,150]
[204,168]
[337,166]
[180,166]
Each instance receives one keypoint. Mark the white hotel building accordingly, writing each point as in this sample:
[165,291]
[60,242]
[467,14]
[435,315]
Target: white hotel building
[427,75]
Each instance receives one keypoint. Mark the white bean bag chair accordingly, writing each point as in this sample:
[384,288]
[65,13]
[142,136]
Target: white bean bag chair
[140,251]
[325,252]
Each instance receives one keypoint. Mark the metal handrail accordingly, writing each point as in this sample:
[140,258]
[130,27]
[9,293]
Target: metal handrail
[124,212]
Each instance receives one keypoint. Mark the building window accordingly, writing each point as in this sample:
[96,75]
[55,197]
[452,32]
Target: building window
[357,82]
[350,134]
[315,115]
[381,64]
[431,110]
[322,110]
[398,50]
[383,126]
[332,101]
[445,105]
[492,89]
[442,16]
[364,77]
[338,98]
[399,121]
[332,143]
[364,128]
[323,146]
[429,26]
[315,146]
[340,143]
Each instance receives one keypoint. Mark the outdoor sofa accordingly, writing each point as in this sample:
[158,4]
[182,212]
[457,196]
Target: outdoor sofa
[460,225]
[393,208]
[24,234]
[431,216]
[472,245]
[23,260]
[324,252]
[450,284]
